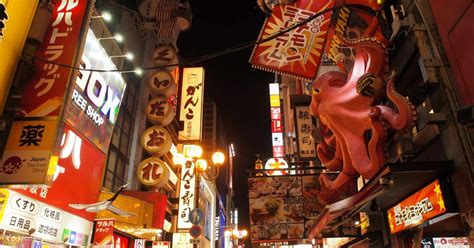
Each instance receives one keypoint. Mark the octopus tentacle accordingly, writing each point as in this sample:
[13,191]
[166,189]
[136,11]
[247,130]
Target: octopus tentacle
[404,118]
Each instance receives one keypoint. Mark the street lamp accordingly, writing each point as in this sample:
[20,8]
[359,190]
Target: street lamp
[193,153]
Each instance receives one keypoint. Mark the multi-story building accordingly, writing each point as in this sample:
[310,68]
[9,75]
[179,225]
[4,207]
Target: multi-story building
[428,50]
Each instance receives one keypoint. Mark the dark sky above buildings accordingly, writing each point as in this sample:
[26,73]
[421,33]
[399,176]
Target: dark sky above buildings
[240,91]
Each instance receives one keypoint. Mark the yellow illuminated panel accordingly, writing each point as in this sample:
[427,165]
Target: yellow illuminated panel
[20,15]
[142,209]
[274,101]
[32,135]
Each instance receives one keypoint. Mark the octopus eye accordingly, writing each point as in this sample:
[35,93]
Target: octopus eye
[316,91]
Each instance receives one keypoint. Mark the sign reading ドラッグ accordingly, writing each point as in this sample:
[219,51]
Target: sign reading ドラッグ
[43,97]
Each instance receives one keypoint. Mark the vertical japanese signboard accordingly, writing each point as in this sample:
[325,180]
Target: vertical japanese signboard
[298,52]
[304,126]
[192,99]
[104,232]
[417,208]
[277,127]
[44,92]
[186,194]
[15,20]
[31,159]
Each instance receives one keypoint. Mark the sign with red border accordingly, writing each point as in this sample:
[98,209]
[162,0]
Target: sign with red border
[417,208]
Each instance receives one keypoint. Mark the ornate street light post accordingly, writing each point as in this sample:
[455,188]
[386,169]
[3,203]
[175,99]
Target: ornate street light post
[193,154]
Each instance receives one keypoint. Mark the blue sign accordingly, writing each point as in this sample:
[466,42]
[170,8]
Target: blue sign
[195,216]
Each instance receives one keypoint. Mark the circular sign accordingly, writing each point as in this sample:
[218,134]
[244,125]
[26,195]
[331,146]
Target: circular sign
[276,163]
[195,216]
[195,231]
[156,140]
[166,55]
[153,172]
[211,173]
[162,83]
[159,111]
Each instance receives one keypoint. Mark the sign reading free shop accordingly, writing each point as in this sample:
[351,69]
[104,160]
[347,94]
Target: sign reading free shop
[95,97]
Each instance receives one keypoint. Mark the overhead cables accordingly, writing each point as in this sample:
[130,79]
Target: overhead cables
[199,59]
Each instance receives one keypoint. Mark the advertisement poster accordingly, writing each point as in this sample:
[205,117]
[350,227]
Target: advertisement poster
[296,53]
[23,214]
[79,162]
[286,207]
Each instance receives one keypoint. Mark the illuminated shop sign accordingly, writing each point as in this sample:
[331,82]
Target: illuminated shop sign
[95,96]
[186,194]
[29,156]
[79,161]
[23,214]
[297,53]
[104,232]
[276,121]
[279,164]
[182,240]
[192,99]
[445,242]
[304,126]
[417,208]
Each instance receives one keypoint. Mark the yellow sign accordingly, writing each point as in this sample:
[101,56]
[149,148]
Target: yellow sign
[27,157]
[274,101]
[142,209]
[4,194]
[20,15]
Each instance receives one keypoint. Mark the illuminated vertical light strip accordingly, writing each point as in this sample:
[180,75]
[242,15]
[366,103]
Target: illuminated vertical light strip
[276,123]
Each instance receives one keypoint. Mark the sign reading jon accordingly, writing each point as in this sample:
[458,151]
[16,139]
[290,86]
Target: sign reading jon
[295,53]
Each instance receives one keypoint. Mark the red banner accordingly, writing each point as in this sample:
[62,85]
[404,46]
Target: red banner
[104,232]
[45,90]
[296,53]
[417,208]
[78,175]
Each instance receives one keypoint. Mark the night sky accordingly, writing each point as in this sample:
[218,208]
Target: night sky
[240,91]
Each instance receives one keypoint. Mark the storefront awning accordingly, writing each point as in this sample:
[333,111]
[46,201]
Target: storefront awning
[391,184]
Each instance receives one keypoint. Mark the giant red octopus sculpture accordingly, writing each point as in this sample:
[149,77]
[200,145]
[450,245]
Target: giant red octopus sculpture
[351,124]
